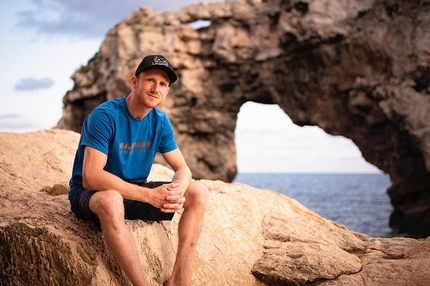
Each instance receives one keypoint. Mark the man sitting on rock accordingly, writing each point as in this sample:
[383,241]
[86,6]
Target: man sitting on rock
[116,150]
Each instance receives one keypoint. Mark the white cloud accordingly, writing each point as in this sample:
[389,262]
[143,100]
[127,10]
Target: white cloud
[16,123]
[79,18]
[31,84]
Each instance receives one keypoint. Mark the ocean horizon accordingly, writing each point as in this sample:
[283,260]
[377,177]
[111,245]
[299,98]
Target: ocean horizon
[357,200]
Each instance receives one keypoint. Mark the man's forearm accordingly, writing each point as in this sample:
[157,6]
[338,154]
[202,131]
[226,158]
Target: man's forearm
[102,181]
[182,177]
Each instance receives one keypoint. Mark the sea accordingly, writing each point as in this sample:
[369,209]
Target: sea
[358,201]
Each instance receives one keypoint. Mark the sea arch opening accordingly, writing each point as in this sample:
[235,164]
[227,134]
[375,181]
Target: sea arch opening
[267,141]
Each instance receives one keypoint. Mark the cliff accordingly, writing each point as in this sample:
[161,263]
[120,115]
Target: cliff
[250,237]
[354,68]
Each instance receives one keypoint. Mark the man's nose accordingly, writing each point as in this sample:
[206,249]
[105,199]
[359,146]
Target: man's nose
[155,86]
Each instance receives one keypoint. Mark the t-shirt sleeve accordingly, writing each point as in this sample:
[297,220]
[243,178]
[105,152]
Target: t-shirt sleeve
[97,130]
[167,142]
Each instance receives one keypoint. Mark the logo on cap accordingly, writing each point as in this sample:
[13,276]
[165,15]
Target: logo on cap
[160,61]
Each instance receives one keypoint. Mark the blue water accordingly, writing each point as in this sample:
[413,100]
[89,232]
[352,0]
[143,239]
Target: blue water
[358,201]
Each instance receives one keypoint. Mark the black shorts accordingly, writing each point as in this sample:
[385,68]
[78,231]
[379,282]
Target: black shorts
[132,209]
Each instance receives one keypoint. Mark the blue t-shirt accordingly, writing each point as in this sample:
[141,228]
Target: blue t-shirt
[130,144]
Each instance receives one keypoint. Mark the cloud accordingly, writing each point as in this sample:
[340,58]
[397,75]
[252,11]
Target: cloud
[16,123]
[85,18]
[33,84]
[82,18]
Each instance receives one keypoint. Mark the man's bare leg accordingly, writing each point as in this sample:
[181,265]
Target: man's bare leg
[109,207]
[189,230]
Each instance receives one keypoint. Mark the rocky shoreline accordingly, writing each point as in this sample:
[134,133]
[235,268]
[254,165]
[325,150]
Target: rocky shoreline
[251,236]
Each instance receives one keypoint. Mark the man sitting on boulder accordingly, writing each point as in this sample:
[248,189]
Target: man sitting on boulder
[118,144]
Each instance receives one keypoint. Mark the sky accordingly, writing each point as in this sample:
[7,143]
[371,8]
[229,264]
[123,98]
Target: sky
[43,42]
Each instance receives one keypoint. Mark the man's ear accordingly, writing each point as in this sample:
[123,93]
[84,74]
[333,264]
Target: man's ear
[134,81]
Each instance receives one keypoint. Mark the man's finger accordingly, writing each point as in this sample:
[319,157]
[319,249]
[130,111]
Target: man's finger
[174,206]
[175,198]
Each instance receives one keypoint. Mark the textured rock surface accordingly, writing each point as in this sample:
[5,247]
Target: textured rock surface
[354,68]
[251,236]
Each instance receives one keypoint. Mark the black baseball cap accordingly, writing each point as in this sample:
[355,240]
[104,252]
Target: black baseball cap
[157,61]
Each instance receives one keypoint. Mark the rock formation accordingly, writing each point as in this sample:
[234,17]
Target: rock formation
[355,68]
[251,236]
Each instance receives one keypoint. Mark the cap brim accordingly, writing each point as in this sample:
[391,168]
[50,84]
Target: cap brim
[172,75]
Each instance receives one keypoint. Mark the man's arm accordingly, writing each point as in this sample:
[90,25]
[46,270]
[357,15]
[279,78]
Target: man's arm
[95,178]
[166,197]
[182,176]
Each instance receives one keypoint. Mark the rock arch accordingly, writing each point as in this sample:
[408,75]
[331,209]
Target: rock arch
[354,68]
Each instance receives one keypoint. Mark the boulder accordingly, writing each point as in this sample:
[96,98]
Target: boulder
[250,237]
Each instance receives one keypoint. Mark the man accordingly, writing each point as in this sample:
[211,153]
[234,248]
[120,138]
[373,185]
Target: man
[119,141]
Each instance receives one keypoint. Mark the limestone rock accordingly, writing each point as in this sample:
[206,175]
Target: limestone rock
[251,236]
[354,68]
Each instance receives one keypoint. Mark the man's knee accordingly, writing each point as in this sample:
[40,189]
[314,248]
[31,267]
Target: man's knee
[198,194]
[107,203]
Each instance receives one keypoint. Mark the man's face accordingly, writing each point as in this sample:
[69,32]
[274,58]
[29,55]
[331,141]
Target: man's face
[152,86]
